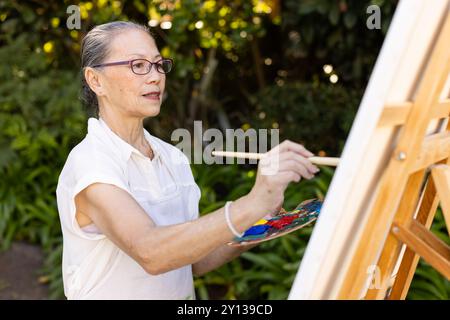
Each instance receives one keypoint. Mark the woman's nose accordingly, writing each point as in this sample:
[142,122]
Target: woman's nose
[153,76]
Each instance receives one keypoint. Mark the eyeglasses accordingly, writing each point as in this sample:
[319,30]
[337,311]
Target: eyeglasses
[142,66]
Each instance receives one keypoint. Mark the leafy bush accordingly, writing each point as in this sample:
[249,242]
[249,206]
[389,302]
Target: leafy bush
[324,112]
[318,32]
[41,120]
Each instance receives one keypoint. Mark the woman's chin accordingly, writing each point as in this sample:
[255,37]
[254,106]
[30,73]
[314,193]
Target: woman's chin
[145,109]
[151,111]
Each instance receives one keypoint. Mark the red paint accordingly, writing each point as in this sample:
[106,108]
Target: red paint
[281,223]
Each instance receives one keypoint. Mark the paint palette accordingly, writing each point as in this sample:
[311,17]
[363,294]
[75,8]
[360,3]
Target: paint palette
[285,222]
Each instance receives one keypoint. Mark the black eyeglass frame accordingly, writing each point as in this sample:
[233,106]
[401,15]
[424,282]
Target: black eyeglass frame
[130,64]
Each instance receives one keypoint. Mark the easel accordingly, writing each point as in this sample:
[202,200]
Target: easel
[415,180]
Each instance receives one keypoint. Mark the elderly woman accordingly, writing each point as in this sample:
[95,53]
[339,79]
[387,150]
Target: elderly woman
[127,201]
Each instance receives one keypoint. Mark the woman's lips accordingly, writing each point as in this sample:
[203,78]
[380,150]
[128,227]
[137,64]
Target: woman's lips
[152,96]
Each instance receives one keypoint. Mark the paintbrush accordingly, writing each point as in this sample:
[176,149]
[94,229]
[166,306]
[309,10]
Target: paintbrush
[322,161]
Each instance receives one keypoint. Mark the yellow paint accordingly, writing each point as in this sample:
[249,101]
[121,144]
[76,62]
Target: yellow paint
[262,221]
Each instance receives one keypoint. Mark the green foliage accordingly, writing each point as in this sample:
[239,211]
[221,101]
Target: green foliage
[329,32]
[325,113]
[428,284]
[41,120]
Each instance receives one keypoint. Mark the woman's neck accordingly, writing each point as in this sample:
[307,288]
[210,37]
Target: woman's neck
[131,130]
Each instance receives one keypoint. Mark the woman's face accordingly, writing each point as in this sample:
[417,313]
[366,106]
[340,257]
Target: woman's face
[124,90]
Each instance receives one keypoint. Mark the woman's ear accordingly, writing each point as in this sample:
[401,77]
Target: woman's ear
[93,80]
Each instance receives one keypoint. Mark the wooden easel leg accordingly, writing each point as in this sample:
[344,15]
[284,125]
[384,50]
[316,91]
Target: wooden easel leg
[419,239]
[441,176]
[410,259]
[426,244]
[392,247]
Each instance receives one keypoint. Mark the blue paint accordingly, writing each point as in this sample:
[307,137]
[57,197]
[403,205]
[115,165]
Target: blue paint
[256,230]
[315,205]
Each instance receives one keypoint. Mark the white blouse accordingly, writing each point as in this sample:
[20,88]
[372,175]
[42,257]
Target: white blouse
[95,268]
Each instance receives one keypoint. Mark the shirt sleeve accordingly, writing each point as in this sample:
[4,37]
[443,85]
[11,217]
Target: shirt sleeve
[82,171]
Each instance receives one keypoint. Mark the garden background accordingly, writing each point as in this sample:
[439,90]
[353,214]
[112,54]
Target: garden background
[298,66]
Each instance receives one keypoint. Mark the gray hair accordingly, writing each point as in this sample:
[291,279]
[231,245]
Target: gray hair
[94,50]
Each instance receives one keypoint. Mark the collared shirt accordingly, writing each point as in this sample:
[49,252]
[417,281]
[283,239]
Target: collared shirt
[95,268]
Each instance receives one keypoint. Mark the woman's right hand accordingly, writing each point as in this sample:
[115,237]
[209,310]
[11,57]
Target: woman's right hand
[285,163]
